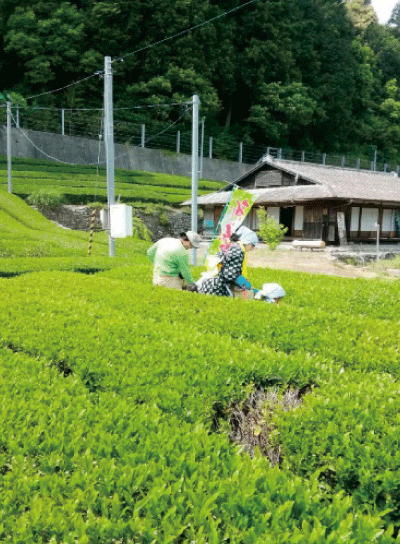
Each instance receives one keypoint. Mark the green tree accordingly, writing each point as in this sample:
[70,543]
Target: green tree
[282,108]
[46,39]
[270,230]
[361,13]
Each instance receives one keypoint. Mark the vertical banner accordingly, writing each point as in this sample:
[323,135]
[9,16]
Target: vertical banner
[238,208]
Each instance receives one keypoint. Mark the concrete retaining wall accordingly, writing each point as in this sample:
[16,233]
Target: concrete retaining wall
[71,149]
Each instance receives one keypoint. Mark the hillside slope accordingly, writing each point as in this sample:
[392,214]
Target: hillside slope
[26,233]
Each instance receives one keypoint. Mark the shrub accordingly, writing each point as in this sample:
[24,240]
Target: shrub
[270,230]
[46,199]
[140,230]
[163,219]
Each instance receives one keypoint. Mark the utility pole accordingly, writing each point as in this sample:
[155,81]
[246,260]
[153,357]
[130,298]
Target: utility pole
[9,177]
[109,143]
[195,167]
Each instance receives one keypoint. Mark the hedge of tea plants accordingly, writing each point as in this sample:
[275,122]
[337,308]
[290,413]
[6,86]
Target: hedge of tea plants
[84,184]
[116,398]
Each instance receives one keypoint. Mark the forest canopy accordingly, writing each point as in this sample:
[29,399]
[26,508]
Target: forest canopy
[310,74]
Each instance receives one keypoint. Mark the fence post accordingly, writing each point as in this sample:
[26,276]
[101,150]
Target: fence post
[241,152]
[324,159]
[17,117]
[210,147]
[143,140]
[397,169]
[385,167]
[343,161]
[178,141]
[358,163]
[280,153]
[372,166]
[9,179]
[63,122]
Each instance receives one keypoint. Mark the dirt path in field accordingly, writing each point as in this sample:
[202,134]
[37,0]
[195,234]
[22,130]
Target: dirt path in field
[315,262]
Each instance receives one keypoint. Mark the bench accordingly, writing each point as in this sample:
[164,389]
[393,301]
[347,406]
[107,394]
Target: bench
[308,244]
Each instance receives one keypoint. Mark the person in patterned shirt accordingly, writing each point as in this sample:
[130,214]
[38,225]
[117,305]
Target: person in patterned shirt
[231,264]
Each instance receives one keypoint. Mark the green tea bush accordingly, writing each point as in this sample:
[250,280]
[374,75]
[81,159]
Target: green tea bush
[85,184]
[140,230]
[116,401]
[46,199]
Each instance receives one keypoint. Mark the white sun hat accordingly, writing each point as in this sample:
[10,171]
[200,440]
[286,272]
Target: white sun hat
[194,238]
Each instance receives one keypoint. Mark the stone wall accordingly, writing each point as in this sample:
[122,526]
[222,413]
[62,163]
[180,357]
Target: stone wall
[171,222]
[72,217]
[178,222]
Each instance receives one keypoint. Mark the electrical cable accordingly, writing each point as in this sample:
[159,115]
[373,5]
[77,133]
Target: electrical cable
[98,163]
[156,135]
[65,87]
[143,106]
[121,58]
[38,148]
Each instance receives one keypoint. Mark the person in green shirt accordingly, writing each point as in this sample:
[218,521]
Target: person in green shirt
[171,260]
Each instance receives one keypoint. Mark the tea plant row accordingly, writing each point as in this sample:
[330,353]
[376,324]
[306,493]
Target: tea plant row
[111,389]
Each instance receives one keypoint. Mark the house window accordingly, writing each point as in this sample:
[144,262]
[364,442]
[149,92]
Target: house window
[273,211]
[208,222]
[299,218]
[388,221]
[369,218]
[355,219]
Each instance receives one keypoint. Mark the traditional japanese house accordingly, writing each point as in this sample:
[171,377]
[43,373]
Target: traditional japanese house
[316,202]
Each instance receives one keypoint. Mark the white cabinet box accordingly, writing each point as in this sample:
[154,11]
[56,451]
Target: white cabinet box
[121,221]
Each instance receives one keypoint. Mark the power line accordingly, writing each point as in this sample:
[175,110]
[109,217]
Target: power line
[143,106]
[121,58]
[65,87]
[98,163]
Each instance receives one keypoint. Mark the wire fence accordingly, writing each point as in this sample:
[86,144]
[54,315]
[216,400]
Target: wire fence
[175,137]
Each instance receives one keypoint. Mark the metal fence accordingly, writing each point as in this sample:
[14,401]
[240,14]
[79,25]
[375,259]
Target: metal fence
[89,124]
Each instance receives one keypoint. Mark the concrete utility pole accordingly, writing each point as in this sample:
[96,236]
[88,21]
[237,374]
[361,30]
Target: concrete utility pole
[109,143]
[195,167]
[9,177]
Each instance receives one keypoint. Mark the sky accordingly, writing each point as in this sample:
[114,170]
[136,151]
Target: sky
[383,9]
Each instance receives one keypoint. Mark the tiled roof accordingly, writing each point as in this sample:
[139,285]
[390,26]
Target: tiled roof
[345,182]
[328,183]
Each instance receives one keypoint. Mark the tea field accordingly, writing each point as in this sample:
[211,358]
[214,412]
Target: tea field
[116,402]
[81,184]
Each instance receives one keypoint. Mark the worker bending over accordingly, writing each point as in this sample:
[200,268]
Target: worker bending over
[171,260]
